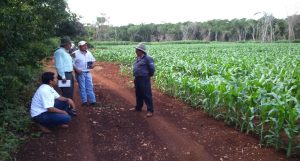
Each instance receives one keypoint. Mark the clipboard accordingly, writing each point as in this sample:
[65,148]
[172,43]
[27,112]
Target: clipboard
[66,84]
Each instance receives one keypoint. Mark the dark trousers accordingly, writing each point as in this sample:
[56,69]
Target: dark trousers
[68,91]
[143,93]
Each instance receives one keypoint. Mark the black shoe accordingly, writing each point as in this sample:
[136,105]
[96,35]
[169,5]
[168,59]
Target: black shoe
[94,104]
[72,112]
[84,104]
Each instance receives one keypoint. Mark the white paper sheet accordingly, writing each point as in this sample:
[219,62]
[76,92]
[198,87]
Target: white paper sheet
[66,84]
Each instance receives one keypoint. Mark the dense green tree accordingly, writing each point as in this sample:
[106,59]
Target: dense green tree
[71,27]
[122,33]
[280,29]
[189,30]
[26,29]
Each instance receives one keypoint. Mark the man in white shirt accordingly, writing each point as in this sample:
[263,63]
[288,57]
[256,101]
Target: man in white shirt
[83,63]
[48,108]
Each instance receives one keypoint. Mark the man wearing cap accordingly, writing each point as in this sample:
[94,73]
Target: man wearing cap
[143,69]
[83,63]
[64,66]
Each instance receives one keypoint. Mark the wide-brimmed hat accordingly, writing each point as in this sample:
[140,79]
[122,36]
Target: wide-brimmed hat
[65,40]
[141,46]
[82,43]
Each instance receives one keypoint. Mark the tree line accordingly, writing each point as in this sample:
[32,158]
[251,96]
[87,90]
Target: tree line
[265,29]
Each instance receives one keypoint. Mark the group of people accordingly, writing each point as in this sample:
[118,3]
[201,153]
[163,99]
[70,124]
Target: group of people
[49,109]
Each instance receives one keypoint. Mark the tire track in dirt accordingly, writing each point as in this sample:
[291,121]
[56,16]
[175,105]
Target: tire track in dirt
[84,132]
[182,146]
[81,130]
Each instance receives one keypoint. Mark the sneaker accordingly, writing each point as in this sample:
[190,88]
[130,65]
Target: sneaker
[84,104]
[72,112]
[149,114]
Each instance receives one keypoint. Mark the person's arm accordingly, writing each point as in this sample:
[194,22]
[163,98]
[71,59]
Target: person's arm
[47,96]
[93,60]
[70,101]
[151,66]
[78,71]
[59,65]
[56,110]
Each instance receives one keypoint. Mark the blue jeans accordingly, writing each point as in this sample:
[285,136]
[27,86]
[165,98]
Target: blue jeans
[52,119]
[86,88]
[143,93]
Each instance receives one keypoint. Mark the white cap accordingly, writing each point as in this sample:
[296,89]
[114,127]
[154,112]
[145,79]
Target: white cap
[141,46]
[82,43]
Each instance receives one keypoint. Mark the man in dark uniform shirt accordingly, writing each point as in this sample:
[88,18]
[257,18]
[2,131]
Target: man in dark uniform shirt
[143,70]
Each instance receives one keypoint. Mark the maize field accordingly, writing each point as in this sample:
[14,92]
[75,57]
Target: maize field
[251,86]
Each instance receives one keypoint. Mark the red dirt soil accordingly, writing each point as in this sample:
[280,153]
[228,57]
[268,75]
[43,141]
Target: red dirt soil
[110,132]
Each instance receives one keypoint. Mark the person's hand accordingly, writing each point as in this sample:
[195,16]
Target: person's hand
[78,71]
[64,80]
[93,65]
[71,103]
[64,112]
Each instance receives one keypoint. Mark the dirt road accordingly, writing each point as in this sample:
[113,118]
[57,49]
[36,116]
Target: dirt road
[111,132]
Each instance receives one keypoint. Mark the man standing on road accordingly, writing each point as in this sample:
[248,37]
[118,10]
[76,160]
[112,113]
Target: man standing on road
[83,63]
[64,66]
[48,108]
[143,70]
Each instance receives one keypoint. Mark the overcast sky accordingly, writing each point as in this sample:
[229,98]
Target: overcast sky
[124,12]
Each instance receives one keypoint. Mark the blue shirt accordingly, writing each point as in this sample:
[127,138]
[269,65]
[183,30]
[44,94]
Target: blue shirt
[63,62]
[143,66]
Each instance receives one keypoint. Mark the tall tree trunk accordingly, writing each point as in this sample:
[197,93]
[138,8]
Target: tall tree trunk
[240,34]
[253,33]
[291,33]
[207,38]
[291,23]
[271,32]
